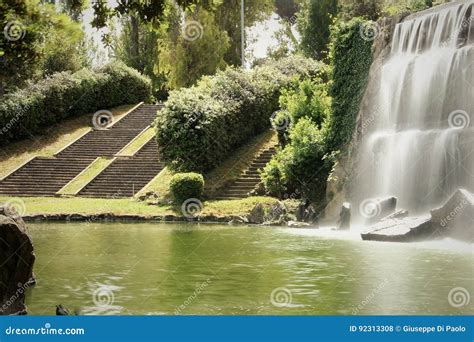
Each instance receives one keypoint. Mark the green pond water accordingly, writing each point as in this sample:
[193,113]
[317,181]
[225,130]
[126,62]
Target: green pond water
[163,269]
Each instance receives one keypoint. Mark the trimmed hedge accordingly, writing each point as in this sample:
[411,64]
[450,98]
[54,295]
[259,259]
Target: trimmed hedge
[201,126]
[32,109]
[185,186]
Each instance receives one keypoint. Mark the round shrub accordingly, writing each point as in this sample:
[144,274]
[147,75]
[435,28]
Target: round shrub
[184,186]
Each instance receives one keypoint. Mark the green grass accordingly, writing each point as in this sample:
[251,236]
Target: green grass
[136,144]
[53,140]
[85,177]
[95,206]
[159,185]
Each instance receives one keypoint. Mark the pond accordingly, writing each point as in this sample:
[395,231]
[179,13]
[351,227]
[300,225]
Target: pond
[165,269]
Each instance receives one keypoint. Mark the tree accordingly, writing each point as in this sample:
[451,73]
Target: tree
[314,23]
[137,46]
[36,41]
[227,17]
[192,45]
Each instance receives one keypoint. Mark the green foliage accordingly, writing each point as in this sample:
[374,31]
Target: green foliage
[314,21]
[38,42]
[303,165]
[137,47]
[28,111]
[310,99]
[185,186]
[227,18]
[393,7]
[187,53]
[351,58]
[202,125]
[370,9]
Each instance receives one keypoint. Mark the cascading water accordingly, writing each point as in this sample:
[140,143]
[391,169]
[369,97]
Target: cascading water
[421,146]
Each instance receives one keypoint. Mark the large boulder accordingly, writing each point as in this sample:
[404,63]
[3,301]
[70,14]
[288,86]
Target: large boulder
[16,262]
[257,215]
[456,217]
[382,207]
[407,229]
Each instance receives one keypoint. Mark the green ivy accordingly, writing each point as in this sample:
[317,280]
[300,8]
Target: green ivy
[351,58]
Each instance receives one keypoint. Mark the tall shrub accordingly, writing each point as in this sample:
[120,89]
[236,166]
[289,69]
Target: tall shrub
[200,126]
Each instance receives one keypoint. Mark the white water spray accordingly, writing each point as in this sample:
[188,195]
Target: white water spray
[421,148]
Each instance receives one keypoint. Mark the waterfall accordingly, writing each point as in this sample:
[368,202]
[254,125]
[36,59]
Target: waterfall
[420,148]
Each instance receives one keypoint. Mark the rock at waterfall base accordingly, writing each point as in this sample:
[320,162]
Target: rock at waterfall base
[384,208]
[456,217]
[345,217]
[16,259]
[407,229]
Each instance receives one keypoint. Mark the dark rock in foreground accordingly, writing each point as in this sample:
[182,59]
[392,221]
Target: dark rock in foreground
[16,262]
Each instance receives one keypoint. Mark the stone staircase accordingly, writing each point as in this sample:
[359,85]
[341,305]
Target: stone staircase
[46,176]
[42,176]
[249,179]
[124,177]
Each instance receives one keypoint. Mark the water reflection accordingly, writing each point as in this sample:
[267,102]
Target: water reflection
[210,269]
